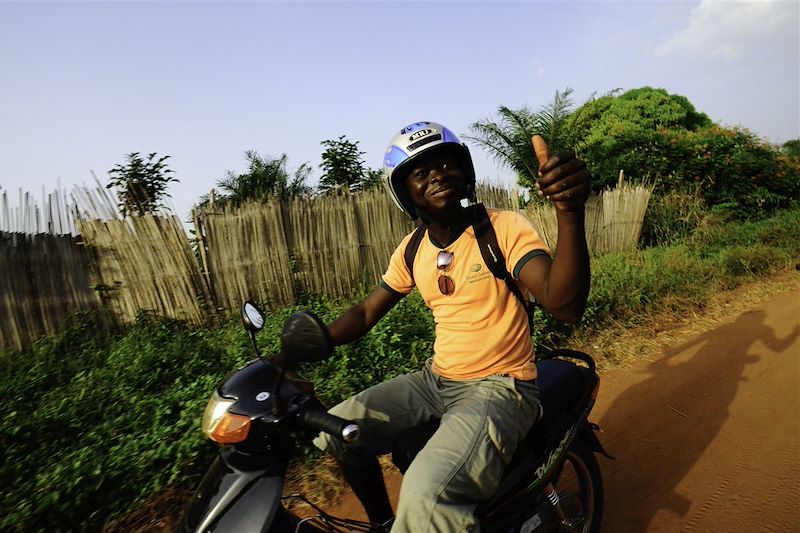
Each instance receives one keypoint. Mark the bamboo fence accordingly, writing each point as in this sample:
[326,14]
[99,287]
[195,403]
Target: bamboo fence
[624,208]
[44,281]
[146,263]
[333,245]
[55,215]
[614,218]
[243,253]
[267,252]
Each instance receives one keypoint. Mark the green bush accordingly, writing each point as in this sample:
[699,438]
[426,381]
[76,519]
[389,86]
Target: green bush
[671,217]
[660,138]
[399,343]
[741,261]
[627,286]
[718,232]
[95,428]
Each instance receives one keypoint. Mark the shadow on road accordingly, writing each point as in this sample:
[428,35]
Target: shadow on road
[658,428]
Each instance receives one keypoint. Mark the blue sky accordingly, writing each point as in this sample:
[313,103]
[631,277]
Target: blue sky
[83,84]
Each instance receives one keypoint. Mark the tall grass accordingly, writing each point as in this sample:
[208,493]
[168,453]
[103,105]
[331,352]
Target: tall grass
[672,217]
[98,419]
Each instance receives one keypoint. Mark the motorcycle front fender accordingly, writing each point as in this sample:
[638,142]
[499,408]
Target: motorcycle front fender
[589,435]
[234,500]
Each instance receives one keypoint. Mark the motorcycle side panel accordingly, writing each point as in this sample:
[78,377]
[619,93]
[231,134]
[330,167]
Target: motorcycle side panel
[232,500]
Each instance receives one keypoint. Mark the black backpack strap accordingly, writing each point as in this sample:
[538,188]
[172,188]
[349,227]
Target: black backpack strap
[412,247]
[493,257]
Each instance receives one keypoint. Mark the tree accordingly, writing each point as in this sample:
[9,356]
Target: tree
[792,148]
[343,169]
[654,136]
[141,184]
[265,178]
[617,131]
[661,138]
[508,140]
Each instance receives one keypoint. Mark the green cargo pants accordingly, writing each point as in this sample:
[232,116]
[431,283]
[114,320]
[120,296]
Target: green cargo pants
[483,420]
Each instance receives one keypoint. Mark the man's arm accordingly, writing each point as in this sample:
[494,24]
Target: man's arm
[562,286]
[360,318]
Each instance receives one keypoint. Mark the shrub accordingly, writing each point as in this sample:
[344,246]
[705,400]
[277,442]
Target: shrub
[661,138]
[115,423]
[399,343]
[671,217]
[757,259]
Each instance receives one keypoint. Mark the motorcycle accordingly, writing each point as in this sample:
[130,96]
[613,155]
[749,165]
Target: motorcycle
[553,483]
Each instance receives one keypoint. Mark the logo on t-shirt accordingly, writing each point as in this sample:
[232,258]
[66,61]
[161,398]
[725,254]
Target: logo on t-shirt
[477,273]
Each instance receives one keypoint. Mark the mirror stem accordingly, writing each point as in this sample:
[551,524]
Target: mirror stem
[255,345]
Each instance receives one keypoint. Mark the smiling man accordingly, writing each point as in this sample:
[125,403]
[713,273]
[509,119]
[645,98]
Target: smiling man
[481,380]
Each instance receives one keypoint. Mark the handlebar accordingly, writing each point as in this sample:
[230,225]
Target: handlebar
[319,420]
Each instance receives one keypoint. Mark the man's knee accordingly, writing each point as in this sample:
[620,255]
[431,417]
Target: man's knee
[429,504]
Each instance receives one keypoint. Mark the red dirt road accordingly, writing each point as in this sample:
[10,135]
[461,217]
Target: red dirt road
[707,435]
[707,438]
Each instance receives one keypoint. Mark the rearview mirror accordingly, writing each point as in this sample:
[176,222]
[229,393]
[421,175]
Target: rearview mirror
[252,317]
[305,338]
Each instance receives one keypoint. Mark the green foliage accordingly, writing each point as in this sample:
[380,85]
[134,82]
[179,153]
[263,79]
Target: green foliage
[792,148]
[778,232]
[343,168]
[756,259]
[95,423]
[627,286]
[658,137]
[615,131]
[141,185]
[508,140]
[654,137]
[399,343]
[671,216]
[265,178]
[99,419]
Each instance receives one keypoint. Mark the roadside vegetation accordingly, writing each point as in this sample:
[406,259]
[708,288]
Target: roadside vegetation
[99,420]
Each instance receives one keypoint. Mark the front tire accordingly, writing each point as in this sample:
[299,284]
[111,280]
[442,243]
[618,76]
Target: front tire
[579,485]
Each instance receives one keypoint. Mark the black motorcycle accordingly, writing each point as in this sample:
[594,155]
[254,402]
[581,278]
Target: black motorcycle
[553,483]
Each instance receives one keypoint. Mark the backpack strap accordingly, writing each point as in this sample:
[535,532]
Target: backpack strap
[493,257]
[412,247]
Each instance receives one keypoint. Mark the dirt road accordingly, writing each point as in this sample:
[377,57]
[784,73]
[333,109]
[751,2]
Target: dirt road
[707,438]
[707,435]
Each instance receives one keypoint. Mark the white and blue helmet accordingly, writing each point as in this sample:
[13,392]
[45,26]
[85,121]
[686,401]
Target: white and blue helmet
[410,143]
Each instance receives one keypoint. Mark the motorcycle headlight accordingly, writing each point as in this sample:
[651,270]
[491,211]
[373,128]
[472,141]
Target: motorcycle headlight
[222,426]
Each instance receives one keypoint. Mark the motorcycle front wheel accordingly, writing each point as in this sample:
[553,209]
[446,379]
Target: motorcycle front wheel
[580,488]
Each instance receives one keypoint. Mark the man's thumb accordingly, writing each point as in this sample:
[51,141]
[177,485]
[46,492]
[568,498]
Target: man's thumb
[541,150]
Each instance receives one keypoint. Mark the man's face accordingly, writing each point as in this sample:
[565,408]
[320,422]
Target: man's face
[436,183]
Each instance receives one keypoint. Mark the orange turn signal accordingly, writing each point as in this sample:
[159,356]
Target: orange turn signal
[230,428]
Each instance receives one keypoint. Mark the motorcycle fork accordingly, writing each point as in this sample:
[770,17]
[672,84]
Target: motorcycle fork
[552,496]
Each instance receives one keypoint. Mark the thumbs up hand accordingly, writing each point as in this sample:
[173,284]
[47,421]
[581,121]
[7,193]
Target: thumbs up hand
[563,178]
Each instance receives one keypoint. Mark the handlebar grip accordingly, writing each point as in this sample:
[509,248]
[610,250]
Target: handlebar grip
[319,420]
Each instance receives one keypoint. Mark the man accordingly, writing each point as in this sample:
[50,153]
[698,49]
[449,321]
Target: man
[481,380]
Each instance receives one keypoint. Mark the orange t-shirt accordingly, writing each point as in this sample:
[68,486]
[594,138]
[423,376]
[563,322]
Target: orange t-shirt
[481,329]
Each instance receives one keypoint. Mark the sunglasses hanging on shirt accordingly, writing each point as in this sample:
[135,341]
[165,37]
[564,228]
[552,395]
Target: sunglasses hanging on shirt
[444,260]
